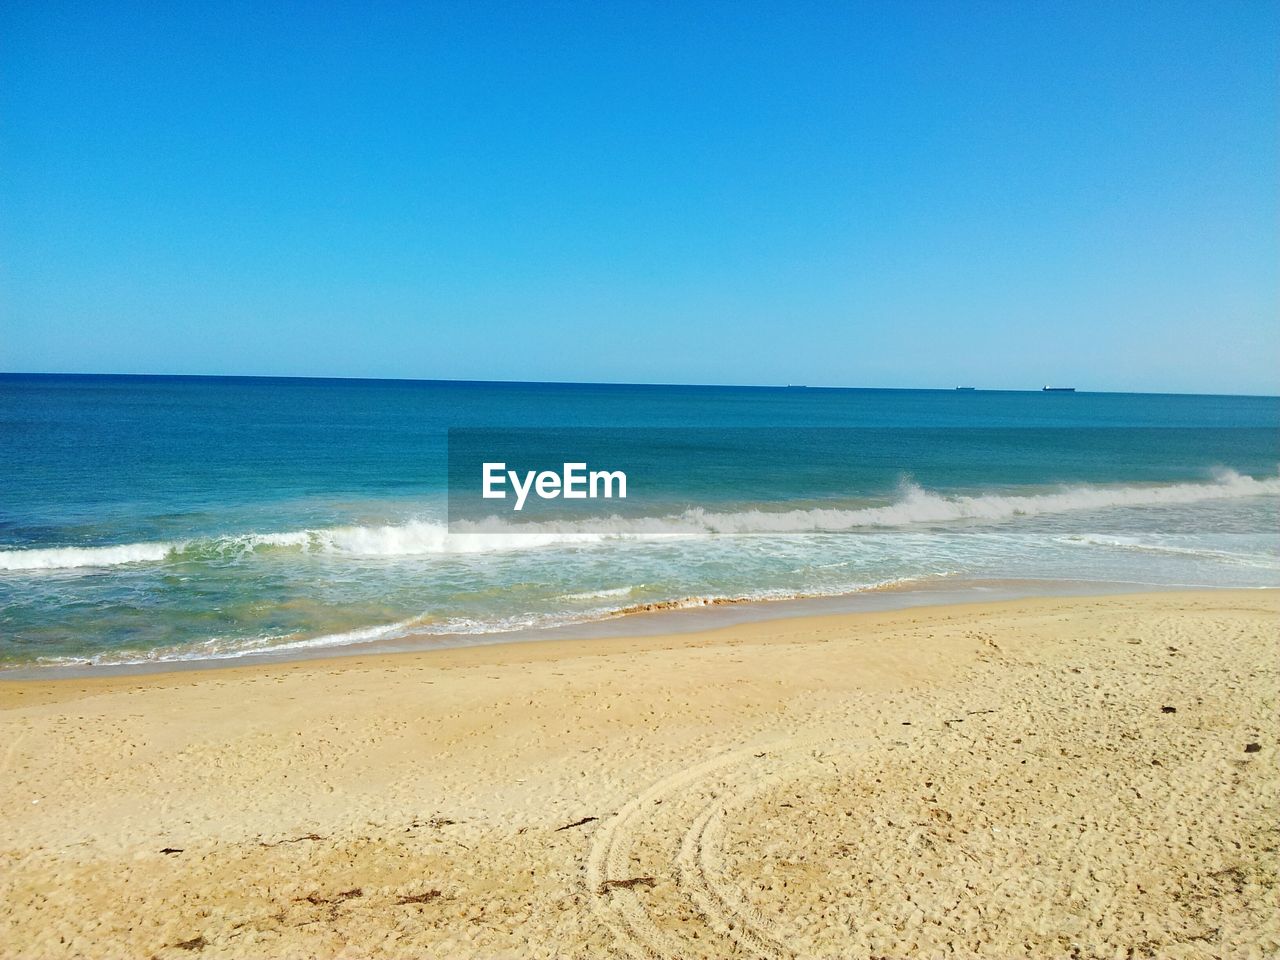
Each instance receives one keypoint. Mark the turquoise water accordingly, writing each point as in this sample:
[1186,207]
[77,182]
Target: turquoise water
[150,518]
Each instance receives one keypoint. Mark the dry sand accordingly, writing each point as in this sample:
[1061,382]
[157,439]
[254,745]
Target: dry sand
[1047,778]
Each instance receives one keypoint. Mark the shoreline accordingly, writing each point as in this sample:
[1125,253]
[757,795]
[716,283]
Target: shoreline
[1023,777]
[691,615]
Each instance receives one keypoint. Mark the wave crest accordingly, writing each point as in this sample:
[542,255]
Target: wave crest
[63,558]
[915,506]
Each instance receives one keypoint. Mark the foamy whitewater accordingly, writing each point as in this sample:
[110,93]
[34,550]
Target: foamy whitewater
[915,507]
[254,516]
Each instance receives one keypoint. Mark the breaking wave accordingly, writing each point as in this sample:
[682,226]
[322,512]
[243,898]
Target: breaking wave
[63,558]
[917,506]
[913,506]
[414,538]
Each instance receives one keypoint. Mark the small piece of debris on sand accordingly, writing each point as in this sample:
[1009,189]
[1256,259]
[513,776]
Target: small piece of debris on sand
[626,884]
[576,823]
[315,898]
[305,836]
[420,897]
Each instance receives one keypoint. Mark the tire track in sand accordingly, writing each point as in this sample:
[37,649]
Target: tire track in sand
[692,908]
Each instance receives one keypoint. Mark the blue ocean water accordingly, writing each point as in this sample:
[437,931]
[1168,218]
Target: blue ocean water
[146,518]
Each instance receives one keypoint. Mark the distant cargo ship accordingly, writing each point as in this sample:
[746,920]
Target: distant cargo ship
[966,388]
[1049,389]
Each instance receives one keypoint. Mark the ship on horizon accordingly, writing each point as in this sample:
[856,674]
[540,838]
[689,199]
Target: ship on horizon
[1048,389]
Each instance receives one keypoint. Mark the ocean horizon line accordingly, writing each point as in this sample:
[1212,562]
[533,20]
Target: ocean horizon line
[463,381]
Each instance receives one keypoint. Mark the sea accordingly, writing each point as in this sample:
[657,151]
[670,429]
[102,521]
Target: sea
[149,520]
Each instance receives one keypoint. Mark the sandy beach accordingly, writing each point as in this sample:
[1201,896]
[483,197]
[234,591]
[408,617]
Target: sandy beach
[1058,777]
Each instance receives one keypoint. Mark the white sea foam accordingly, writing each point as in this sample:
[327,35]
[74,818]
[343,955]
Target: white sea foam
[414,538]
[1262,561]
[222,648]
[917,506]
[913,507]
[426,536]
[600,594]
[62,558]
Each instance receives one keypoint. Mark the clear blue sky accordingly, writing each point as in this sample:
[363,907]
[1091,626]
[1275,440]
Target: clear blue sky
[896,194]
